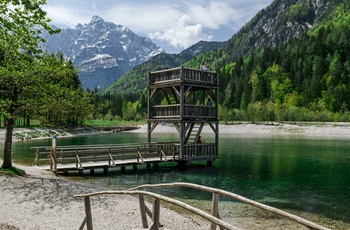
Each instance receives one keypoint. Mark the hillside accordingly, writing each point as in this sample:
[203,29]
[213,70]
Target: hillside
[307,78]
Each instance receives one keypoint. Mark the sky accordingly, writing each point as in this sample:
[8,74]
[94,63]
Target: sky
[172,25]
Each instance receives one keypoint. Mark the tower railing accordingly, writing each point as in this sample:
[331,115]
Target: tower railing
[183,74]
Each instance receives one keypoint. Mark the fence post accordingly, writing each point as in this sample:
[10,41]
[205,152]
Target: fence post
[143,211]
[36,160]
[214,209]
[54,149]
[156,213]
[88,213]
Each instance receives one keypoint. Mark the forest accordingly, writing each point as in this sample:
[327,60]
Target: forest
[307,79]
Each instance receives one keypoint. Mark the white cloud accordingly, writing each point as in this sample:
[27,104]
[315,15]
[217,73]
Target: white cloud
[182,35]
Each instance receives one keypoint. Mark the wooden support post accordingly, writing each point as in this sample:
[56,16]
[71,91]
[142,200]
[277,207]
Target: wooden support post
[148,166]
[182,164]
[156,214]
[143,211]
[156,166]
[122,168]
[214,209]
[92,171]
[105,170]
[210,163]
[88,213]
[134,167]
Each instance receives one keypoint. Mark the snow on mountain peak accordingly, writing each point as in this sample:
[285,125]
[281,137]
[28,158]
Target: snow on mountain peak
[102,51]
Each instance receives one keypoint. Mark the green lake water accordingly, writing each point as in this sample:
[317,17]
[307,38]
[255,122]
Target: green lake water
[291,172]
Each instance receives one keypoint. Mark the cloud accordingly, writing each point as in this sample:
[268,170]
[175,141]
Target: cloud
[183,34]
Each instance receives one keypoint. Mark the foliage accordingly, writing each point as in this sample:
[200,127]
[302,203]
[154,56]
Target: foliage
[31,83]
[306,79]
[21,23]
[12,171]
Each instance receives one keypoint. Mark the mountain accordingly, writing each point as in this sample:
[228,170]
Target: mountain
[279,23]
[102,51]
[136,79]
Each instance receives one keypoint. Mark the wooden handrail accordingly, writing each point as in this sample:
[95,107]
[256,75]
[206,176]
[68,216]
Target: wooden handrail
[214,218]
[293,217]
[159,197]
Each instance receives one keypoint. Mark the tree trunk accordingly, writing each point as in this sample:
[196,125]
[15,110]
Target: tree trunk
[7,163]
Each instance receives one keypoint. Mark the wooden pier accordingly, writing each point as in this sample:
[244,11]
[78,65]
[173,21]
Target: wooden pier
[90,157]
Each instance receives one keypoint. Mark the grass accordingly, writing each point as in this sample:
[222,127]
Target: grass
[12,171]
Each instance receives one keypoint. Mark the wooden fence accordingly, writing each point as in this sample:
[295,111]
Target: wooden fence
[213,217]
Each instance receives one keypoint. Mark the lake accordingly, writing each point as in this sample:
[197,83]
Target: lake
[300,174]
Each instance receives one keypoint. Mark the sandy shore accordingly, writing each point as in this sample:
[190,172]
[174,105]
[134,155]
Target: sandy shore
[42,200]
[309,129]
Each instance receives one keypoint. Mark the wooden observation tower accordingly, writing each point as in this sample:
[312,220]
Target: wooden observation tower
[187,99]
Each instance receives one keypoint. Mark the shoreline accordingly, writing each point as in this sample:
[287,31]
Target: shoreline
[306,129]
[301,128]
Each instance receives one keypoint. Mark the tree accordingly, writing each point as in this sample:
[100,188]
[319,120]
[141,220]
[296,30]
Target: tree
[21,22]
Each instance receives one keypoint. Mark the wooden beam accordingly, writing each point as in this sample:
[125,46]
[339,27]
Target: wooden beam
[154,125]
[212,127]
[143,211]
[88,213]
[177,126]
[156,213]
[214,209]
[154,91]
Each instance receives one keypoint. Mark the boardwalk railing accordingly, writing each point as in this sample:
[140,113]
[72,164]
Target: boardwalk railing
[213,217]
[200,151]
[80,157]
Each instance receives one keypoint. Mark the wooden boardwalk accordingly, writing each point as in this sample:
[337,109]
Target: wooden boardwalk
[91,157]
